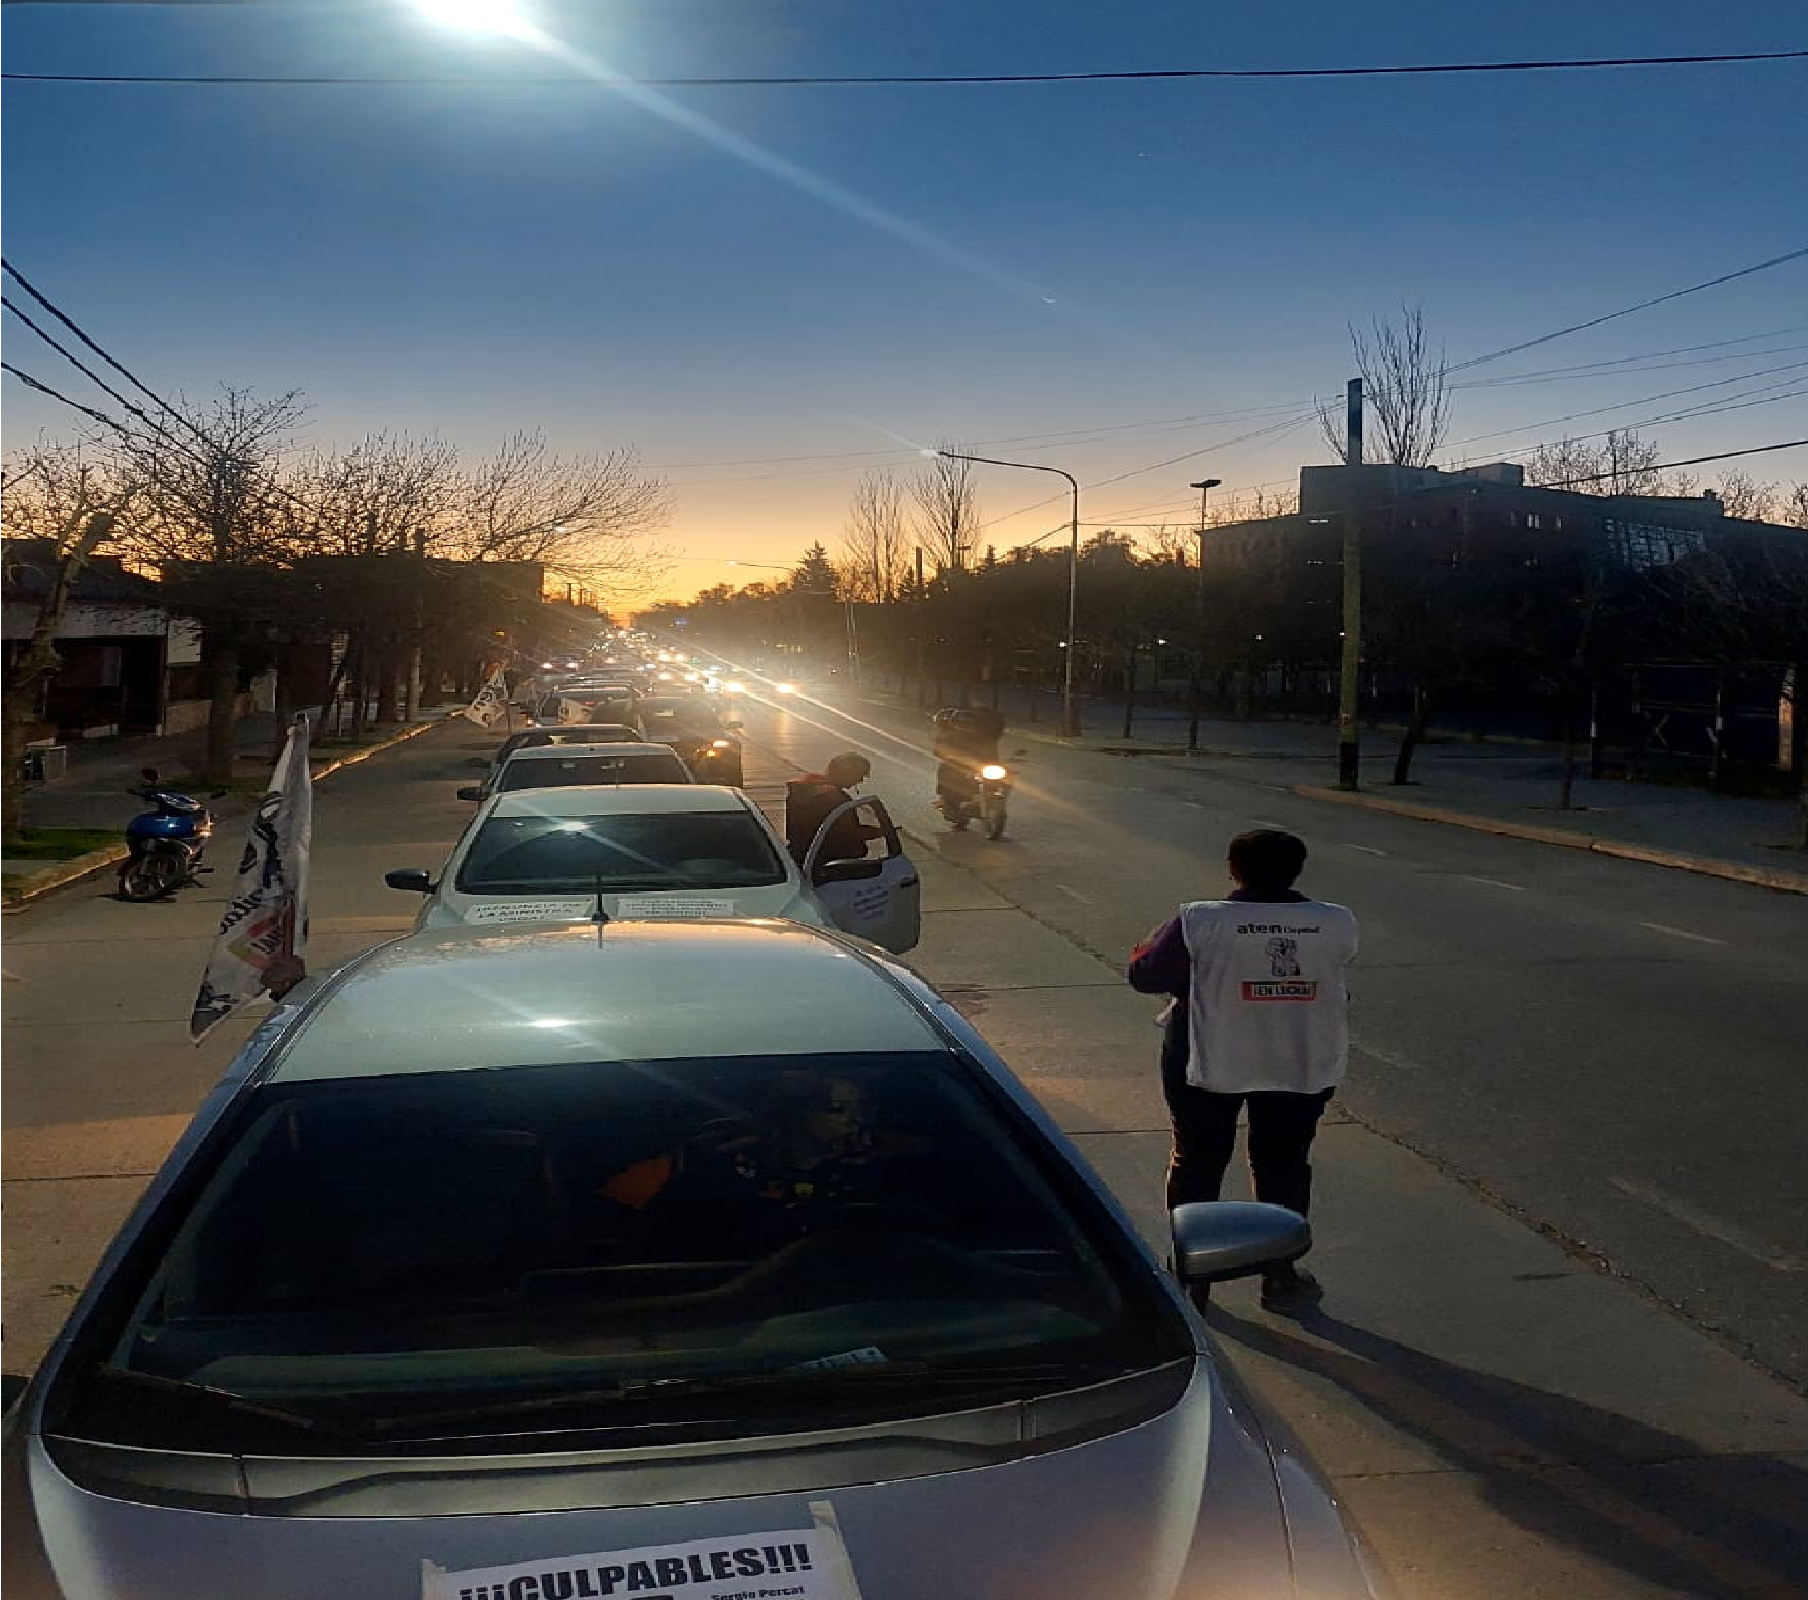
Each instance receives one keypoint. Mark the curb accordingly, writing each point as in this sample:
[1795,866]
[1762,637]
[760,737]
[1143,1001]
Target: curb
[1708,866]
[64,873]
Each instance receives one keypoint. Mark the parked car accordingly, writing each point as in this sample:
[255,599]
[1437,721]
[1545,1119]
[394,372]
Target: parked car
[505,1264]
[709,743]
[660,850]
[617,704]
[566,766]
[563,733]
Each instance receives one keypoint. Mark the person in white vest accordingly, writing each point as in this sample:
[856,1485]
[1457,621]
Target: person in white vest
[1258,1021]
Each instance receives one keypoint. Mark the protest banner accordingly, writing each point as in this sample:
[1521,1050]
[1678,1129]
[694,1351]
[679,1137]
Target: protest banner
[491,703]
[264,931]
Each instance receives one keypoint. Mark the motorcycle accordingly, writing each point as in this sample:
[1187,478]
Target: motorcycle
[167,842]
[977,795]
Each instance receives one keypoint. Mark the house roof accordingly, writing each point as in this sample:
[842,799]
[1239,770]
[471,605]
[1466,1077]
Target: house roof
[31,563]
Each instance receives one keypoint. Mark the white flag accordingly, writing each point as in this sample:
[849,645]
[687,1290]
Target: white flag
[264,933]
[491,701]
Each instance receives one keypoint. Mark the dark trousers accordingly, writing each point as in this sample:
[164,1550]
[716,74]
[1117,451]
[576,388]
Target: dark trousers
[1281,1129]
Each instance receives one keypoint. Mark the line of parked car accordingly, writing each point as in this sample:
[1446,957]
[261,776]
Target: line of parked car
[632,1227]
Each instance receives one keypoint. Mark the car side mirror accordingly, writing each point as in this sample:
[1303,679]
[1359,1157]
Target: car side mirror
[848,871]
[416,880]
[1216,1240]
[471,791]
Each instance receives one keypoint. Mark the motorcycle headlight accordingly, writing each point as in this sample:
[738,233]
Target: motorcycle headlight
[721,744]
[993,773]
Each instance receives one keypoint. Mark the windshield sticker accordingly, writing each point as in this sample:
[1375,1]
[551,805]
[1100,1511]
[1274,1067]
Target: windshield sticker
[868,1355]
[561,910]
[789,1564]
[658,905]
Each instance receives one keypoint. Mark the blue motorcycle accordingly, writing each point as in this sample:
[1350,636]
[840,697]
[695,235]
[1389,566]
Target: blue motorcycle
[166,842]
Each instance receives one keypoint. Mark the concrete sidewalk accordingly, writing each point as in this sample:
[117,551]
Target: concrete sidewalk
[1498,787]
[1507,1422]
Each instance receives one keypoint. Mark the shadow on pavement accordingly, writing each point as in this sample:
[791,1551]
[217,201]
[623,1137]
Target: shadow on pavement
[1637,1499]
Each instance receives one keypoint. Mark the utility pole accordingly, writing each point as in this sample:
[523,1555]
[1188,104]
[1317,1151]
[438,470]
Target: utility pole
[411,698]
[1349,676]
[922,617]
[1196,678]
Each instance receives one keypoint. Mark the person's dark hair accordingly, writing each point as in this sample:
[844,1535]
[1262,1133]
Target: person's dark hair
[855,767]
[1267,858]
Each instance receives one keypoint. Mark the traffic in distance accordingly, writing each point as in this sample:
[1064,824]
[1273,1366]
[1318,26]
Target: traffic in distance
[640,1224]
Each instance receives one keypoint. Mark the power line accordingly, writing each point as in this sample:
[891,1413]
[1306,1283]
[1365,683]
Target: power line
[74,405]
[1574,64]
[1643,305]
[1693,461]
[70,323]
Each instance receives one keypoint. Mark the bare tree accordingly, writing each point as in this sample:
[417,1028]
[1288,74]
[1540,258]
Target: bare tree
[875,542]
[208,517]
[581,515]
[383,495]
[66,503]
[947,509]
[1619,462]
[1792,511]
[1743,496]
[1405,388]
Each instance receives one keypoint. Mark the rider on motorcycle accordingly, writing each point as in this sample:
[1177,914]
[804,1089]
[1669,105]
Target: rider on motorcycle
[966,739]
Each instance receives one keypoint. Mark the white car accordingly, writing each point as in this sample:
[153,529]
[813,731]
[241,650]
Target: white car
[566,766]
[662,851]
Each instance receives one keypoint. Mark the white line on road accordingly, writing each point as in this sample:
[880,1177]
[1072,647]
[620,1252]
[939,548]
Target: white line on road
[1390,1058]
[1680,933]
[1711,1227]
[1084,899]
[1282,827]
[1194,805]
[1495,883]
[1368,849]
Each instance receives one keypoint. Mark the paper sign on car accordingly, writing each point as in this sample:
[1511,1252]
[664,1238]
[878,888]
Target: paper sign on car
[787,1564]
[565,909]
[659,905]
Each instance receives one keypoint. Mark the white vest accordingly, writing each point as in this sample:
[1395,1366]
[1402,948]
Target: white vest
[1267,1004]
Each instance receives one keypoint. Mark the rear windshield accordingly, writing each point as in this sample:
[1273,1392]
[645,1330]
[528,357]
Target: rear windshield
[592,771]
[576,855]
[692,715]
[721,1243]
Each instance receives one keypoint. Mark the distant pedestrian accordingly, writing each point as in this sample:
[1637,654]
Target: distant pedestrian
[1259,1020]
[811,798]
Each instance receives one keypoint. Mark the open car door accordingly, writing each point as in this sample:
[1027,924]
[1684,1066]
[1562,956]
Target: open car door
[879,898]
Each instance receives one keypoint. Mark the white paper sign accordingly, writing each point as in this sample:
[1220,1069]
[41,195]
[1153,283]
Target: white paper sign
[659,905]
[788,1564]
[564,910]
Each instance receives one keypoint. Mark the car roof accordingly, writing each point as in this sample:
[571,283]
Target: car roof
[631,799]
[576,752]
[574,732]
[459,999]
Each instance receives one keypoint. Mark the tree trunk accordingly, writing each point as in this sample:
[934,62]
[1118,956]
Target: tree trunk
[1129,693]
[388,702]
[1424,696]
[21,706]
[222,708]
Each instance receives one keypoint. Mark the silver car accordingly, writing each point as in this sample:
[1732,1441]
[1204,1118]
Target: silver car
[707,1261]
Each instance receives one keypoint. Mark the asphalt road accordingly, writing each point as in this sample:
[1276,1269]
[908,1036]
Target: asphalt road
[1612,1051]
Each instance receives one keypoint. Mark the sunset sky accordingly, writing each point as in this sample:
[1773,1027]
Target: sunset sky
[765,290]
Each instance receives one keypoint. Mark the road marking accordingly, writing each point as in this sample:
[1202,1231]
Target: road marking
[1712,1227]
[1680,933]
[1194,805]
[1368,849]
[1084,899]
[1390,1058]
[1494,883]
[1279,827]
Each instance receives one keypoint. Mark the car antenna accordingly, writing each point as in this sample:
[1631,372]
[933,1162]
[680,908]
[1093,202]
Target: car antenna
[599,916]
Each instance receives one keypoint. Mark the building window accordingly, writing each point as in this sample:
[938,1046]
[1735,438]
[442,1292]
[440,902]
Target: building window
[1533,520]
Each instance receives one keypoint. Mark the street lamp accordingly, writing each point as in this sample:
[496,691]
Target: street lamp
[1196,677]
[1070,710]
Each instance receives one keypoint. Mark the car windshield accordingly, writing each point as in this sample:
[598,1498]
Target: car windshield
[580,771]
[669,850]
[604,1245]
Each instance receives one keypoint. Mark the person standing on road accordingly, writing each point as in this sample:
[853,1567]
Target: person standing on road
[810,797]
[1259,1019]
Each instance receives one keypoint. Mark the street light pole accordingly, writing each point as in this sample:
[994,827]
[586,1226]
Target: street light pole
[1195,680]
[1070,708]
